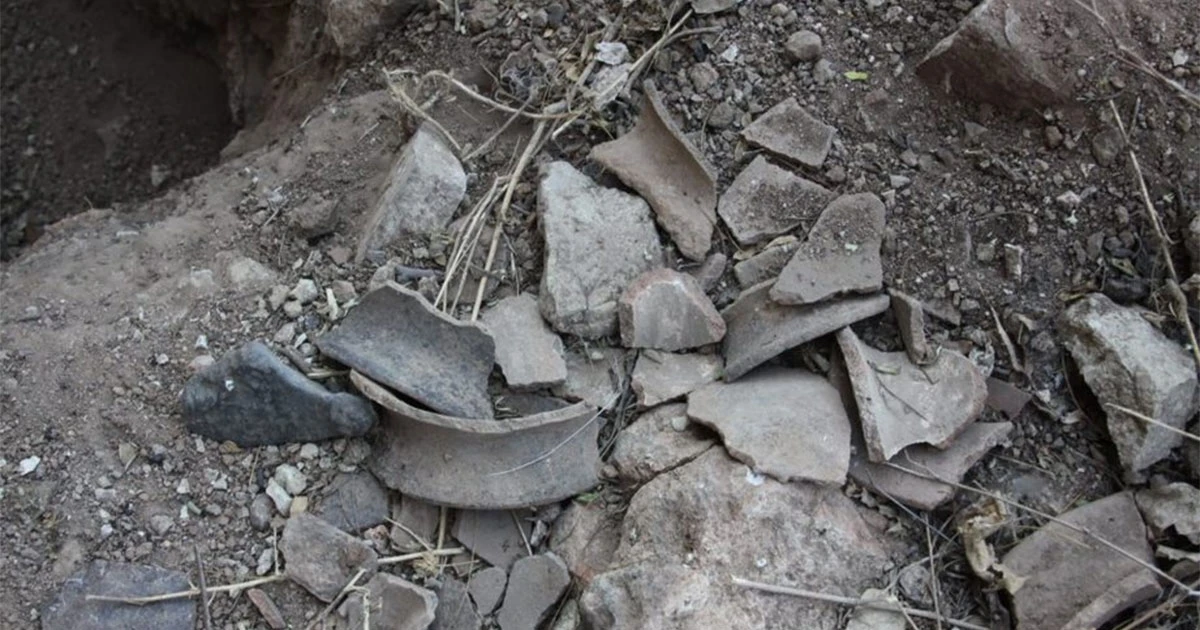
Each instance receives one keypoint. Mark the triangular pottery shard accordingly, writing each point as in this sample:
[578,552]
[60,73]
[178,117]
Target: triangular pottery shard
[657,161]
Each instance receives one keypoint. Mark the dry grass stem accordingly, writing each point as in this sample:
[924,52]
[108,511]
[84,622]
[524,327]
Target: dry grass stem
[417,555]
[1158,423]
[336,600]
[203,588]
[191,592]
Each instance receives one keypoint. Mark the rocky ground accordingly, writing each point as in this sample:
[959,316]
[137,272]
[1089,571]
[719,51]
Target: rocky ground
[789,302]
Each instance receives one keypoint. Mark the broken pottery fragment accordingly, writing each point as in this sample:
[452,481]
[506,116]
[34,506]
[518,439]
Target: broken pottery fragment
[667,310]
[759,329]
[454,608]
[497,536]
[766,264]
[392,603]
[765,201]
[1127,362]
[534,585]
[252,397]
[483,464]
[528,352]
[657,441]
[420,521]
[426,186]
[487,589]
[1069,580]
[1006,398]
[900,403]
[595,376]
[597,241]
[322,558]
[910,317]
[660,377]
[841,254]
[787,423]
[70,608]
[789,131]
[657,161]
[1174,506]
[688,530]
[354,502]
[397,338]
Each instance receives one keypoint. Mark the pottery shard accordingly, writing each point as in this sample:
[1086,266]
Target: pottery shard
[766,264]
[487,589]
[657,441]
[900,403]
[71,608]
[1173,506]
[787,423]
[535,584]
[595,376]
[1127,362]
[426,186]
[597,241]
[483,464]
[392,603]
[529,353]
[788,130]
[454,609]
[760,329]
[667,310]
[1064,578]
[660,377]
[657,161]
[689,529]
[841,254]
[397,338]
[910,316]
[320,557]
[497,536]
[765,201]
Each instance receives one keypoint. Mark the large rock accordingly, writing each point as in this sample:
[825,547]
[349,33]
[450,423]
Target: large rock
[586,536]
[251,397]
[425,188]
[533,586]
[392,603]
[657,161]
[1127,362]
[765,201]
[70,608]
[322,558]
[901,403]
[759,329]
[841,254]
[660,377]
[789,131]
[597,241]
[667,310]
[787,423]
[1065,573]
[397,338]
[528,352]
[687,531]
[657,441]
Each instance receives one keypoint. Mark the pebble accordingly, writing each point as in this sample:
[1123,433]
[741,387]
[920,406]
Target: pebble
[309,451]
[292,480]
[28,465]
[292,309]
[279,496]
[161,524]
[803,46]
[266,560]
[184,487]
[722,116]
[260,513]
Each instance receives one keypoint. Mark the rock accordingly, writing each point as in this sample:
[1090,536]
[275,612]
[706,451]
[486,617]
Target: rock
[483,16]
[652,444]
[397,338]
[305,291]
[267,608]
[535,585]
[395,604]
[492,535]
[1064,573]
[251,397]
[657,160]
[454,609]
[803,46]
[664,309]
[868,618]
[260,512]
[759,329]
[1106,145]
[292,480]
[586,536]
[1006,398]
[483,464]
[787,423]
[1174,506]
[594,376]
[419,517]
[789,131]
[597,241]
[1127,362]
[710,272]
[704,7]
[426,185]
[27,465]
[900,403]
[526,404]
[689,529]
[322,558]
[248,275]
[916,584]
[70,607]
[660,377]
[353,24]
[841,254]
[765,265]
[1192,242]
[487,589]
[910,317]
[765,201]
[528,352]
[355,502]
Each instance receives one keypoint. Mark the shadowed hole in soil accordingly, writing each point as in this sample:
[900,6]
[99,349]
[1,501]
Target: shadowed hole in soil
[101,104]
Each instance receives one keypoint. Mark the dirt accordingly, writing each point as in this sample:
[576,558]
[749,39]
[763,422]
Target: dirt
[104,311]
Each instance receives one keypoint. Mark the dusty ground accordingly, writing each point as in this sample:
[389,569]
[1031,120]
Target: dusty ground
[103,314]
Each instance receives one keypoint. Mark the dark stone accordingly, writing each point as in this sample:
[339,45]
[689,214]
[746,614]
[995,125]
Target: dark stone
[355,502]
[71,609]
[251,397]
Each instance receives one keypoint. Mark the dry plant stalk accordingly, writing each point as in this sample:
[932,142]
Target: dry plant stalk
[188,594]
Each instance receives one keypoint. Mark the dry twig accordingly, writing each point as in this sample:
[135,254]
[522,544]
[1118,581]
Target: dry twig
[188,594]
[203,588]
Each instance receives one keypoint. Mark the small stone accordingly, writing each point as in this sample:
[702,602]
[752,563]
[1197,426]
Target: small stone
[703,76]
[1013,267]
[260,512]
[1106,145]
[593,378]
[278,295]
[267,608]
[528,352]
[161,524]
[28,465]
[869,618]
[266,560]
[534,586]
[1054,136]
[764,201]
[842,253]
[285,334]
[418,517]
[766,264]
[656,441]
[667,310]
[249,276]
[322,558]
[803,46]
[722,116]
[279,496]
[487,589]
[395,604]
[305,291]
[910,316]
[660,377]
[974,130]
[183,487]
[1174,506]
[788,130]
[355,502]
[309,451]
[292,480]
